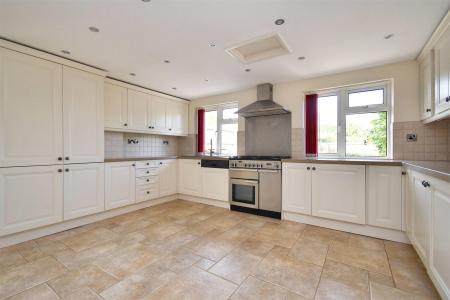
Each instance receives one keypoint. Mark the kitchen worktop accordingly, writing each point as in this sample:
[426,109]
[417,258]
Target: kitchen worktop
[438,169]
[347,161]
[138,158]
[205,157]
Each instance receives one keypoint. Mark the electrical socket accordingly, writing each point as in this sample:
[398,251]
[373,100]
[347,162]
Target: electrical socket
[411,137]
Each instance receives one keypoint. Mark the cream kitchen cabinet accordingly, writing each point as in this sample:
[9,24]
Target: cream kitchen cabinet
[215,183]
[384,196]
[138,103]
[120,184]
[442,71]
[31,110]
[157,114]
[84,190]
[190,177]
[167,177]
[177,117]
[296,188]
[338,192]
[83,113]
[426,85]
[30,197]
[116,106]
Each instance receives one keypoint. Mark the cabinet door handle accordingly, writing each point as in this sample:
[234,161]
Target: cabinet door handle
[66,158]
[149,127]
[148,172]
[147,164]
[148,180]
[428,109]
[125,124]
[160,162]
[313,168]
[308,168]
[133,165]
[59,170]
[426,184]
[170,129]
[67,170]
[198,163]
[60,158]
[148,192]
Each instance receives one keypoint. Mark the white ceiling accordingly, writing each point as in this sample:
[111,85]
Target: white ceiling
[333,35]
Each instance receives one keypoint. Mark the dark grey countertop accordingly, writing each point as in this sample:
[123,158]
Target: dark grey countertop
[205,157]
[438,169]
[348,161]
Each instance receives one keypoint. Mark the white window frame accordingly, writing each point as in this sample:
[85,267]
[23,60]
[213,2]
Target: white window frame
[344,109]
[220,121]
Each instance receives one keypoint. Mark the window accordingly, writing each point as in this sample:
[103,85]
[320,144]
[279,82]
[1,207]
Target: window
[221,126]
[355,121]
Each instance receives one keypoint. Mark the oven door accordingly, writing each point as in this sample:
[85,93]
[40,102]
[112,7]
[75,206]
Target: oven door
[244,192]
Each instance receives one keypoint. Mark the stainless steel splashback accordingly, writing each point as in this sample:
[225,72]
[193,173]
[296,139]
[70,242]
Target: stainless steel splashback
[268,135]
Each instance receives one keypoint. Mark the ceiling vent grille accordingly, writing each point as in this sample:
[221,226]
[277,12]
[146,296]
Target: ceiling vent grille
[260,48]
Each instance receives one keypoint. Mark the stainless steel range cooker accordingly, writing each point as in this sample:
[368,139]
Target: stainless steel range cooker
[255,185]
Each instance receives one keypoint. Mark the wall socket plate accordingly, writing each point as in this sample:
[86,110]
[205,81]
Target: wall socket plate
[411,137]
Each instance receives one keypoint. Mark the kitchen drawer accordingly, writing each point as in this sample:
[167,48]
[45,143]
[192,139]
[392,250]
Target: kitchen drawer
[146,180]
[146,194]
[146,172]
[146,164]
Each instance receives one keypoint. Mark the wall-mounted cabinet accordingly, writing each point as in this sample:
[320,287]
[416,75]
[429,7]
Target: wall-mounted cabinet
[442,65]
[426,88]
[134,109]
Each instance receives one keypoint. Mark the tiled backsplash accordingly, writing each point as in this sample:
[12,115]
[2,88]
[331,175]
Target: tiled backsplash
[433,141]
[116,145]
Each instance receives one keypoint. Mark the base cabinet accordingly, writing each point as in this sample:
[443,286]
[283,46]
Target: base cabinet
[215,183]
[190,177]
[296,188]
[84,190]
[384,196]
[120,182]
[167,177]
[30,197]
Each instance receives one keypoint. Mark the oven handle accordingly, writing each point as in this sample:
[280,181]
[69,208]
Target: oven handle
[237,181]
[269,171]
[251,170]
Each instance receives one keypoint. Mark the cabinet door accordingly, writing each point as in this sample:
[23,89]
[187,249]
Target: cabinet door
[421,211]
[215,184]
[30,197]
[338,192]
[384,196]
[175,117]
[30,110]
[296,189]
[167,177]
[442,70]
[83,116]
[440,236]
[426,81]
[137,110]
[116,106]
[190,177]
[158,113]
[120,182]
[84,190]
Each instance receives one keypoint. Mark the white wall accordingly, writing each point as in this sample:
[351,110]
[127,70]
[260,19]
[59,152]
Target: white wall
[291,94]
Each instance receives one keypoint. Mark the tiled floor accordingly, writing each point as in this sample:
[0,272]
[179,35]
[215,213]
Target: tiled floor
[184,250]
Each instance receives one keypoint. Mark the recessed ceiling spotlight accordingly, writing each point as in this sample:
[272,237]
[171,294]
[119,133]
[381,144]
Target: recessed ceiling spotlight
[94,29]
[387,37]
[174,88]
[248,70]
[146,0]
[167,61]
[67,52]
[301,58]
[279,21]
[206,80]
[212,45]
[132,74]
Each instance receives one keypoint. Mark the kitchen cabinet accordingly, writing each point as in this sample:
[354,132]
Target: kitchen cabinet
[296,189]
[84,190]
[83,111]
[190,177]
[157,110]
[31,110]
[440,237]
[215,183]
[177,117]
[137,110]
[30,197]
[147,180]
[338,192]
[167,177]
[442,71]
[426,85]
[116,106]
[384,196]
[120,182]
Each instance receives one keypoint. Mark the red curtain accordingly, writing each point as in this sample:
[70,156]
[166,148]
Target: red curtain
[201,130]
[311,124]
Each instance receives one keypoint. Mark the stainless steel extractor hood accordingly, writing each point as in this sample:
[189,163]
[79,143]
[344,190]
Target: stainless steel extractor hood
[264,105]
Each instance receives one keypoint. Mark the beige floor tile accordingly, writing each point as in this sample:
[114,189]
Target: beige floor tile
[309,251]
[382,292]
[20,278]
[139,285]
[171,243]
[201,228]
[87,276]
[227,220]
[411,276]
[400,251]
[39,292]
[213,249]
[324,235]
[42,247]
[293,296]
[366,242]
[161,230]
[299,277]
[179,260]
[89,239]
[381,279]
[255,247]
[83,294]
[204,264]
[371,260]
[277,234]
[340,281]
[253,288]
[10,257]
[195,283]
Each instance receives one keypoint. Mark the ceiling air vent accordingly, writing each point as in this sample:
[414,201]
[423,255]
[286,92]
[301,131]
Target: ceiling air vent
[260,48]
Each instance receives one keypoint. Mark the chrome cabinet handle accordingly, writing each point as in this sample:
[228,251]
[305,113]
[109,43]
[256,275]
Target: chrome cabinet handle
[426,184]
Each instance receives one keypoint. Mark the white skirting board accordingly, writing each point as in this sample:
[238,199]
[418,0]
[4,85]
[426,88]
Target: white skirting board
[219,203]
[31,234]
[372,231]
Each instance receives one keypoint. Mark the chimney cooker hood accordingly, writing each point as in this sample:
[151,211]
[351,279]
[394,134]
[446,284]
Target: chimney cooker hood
[264,105]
